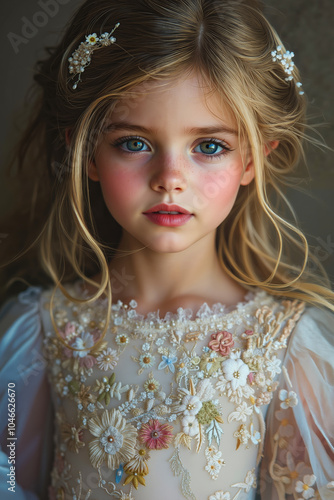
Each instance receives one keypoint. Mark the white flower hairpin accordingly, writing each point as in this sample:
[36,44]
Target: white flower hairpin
[285,59]
[81,57]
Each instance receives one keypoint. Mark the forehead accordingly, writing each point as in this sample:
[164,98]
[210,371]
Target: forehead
[179,98]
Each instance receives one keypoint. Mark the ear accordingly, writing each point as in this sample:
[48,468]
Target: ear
[270,147]
[92,170]
[248,174]
[93,173]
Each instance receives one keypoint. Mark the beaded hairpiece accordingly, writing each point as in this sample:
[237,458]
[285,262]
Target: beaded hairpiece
[285,59]
[81,57]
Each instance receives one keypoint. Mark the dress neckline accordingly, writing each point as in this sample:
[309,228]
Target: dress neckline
[252,299]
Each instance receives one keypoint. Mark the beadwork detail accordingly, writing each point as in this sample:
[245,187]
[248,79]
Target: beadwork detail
[285,59]
[81,57]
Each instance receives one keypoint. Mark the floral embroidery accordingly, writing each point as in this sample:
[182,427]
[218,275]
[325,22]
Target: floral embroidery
[296,472]
[178,398]
[221,342]
[115,439]
[288,398]
[84,342]
[156,435]
[151,384]
[285,429]
[146,360]
[109,388]
[290,466]
[137,468]
[82,395]
[214,461]
[107,360]
[235,371]
[241,413]
[190,405]
[168,362]
[72,437]
[304,486]
[138,462]
[190,426]
[122,339]
[242,435]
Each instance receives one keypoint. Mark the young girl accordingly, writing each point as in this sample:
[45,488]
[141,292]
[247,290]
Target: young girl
[187,345]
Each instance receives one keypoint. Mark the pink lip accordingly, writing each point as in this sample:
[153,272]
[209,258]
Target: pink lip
[168,220]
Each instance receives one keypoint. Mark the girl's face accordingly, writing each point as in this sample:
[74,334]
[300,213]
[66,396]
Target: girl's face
[170,165]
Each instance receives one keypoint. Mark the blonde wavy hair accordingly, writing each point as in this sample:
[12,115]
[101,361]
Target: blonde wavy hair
[229,43]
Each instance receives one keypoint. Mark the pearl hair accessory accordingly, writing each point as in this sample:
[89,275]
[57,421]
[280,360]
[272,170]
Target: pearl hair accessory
[81,57]
[285,59]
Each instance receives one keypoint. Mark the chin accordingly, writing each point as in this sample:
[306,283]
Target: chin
[163,246]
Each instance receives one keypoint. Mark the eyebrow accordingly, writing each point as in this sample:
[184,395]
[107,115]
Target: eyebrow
[190,131]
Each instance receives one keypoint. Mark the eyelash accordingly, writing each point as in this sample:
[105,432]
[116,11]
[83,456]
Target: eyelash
[225,150]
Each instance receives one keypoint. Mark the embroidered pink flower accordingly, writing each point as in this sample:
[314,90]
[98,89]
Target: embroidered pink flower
[221,342]
[156,435]
[68,335]
[88,361]
[69,330]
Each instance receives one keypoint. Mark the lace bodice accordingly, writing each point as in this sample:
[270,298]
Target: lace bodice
[164,408]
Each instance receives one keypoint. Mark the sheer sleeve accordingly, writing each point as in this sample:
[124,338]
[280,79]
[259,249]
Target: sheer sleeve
[25,406]
[298,461]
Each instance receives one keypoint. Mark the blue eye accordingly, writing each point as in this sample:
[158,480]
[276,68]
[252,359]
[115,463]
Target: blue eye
[135,145]
[209,148]
[131,144]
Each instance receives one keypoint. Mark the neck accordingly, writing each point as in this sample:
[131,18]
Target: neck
[166,281]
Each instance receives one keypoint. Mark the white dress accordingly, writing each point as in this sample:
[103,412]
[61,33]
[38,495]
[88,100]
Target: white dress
[188,405]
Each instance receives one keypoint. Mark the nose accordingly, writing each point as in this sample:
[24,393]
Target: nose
[168,174]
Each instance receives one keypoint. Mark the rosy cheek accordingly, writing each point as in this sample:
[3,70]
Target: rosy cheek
[220,187]
[118,186]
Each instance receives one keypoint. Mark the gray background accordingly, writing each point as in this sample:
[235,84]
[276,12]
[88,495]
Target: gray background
[305,27]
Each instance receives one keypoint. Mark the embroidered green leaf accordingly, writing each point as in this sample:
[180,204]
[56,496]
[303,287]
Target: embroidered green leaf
[101,397]
[74,386]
